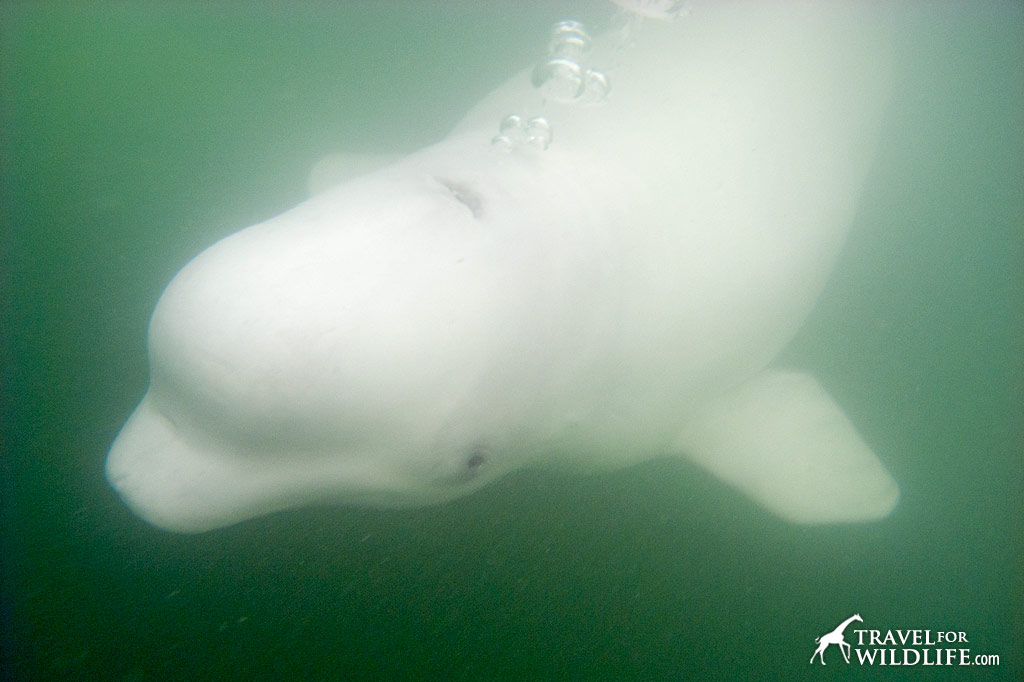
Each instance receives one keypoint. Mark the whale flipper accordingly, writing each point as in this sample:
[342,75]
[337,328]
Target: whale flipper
[781,439]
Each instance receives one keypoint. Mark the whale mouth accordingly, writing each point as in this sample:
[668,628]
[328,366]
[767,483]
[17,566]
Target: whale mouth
[191,482]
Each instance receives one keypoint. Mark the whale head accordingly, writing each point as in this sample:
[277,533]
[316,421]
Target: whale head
[339,350]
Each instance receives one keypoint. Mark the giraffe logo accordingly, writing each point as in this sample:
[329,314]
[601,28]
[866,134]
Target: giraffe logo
[835,637]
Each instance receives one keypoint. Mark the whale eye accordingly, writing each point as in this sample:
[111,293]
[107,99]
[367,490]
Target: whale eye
[465,195]
[475,460]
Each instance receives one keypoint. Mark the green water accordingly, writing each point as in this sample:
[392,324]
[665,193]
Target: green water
[133,135]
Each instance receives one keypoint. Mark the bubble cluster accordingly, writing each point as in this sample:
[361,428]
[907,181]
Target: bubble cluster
[515,132]
[562,77]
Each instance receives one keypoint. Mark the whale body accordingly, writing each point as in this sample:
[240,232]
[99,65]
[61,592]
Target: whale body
[406,336]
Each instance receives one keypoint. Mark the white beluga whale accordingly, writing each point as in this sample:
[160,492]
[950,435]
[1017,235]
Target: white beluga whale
[605,284]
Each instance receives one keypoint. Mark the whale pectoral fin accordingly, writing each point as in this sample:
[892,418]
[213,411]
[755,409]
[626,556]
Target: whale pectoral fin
[783,441]
[337,168]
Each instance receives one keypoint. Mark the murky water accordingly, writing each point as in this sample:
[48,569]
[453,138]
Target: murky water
[134,135]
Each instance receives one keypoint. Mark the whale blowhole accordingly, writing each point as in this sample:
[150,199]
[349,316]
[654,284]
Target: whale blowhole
[465,195]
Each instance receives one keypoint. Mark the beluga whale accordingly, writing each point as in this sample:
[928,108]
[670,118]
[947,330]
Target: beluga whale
[596,267]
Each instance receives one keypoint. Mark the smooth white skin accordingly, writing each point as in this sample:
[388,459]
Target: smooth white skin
[410,335]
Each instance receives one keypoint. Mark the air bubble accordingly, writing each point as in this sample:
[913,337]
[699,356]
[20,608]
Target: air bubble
[538,133]
[559,79]
[510,133]
[569,40]
[510,125]
[595,87]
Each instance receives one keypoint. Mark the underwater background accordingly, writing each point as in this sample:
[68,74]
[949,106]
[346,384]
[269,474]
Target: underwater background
[135,134]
